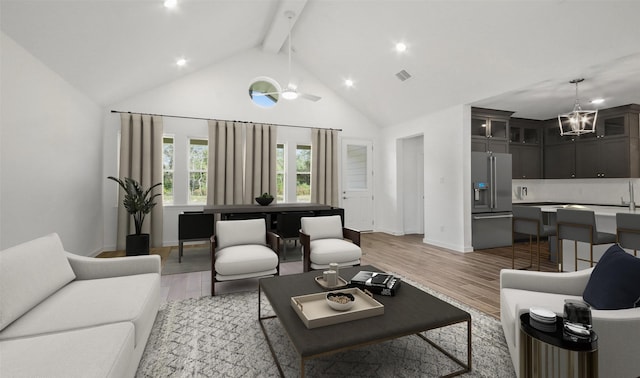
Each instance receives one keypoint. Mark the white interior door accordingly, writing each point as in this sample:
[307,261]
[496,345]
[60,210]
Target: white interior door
[357,184]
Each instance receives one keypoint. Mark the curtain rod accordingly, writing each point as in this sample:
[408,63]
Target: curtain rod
[226,120]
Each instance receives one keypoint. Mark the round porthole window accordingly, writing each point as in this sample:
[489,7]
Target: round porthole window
[264,92]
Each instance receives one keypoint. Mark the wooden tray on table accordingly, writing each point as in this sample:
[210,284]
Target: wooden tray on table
[314,311]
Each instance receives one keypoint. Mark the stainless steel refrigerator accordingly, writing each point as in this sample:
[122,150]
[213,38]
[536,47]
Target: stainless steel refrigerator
[491,200]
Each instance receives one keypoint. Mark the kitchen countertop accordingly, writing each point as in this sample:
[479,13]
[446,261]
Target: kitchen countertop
[598,209]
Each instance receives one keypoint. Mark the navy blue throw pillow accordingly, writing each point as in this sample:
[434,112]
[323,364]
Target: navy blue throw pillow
[615,281]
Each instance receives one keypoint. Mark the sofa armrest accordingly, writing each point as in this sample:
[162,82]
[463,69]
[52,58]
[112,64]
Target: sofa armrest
[352,235]
[570,283]
[88,268]
[305,242]
[273,241]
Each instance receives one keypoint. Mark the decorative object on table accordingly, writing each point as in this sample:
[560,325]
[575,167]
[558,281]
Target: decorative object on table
[265,199]
[314,311]
[331,277]
[138,203]
[579,121]
[542,319]
[341,301]
[325,285]
[576,320]
[376,282]
[335,267]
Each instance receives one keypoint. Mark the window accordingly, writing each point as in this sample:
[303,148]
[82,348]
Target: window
[198,157]
[167,169]
[280,173]
[303,173]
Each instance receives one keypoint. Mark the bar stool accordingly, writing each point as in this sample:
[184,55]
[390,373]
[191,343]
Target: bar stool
[628,231]
[528,220]
[580,226]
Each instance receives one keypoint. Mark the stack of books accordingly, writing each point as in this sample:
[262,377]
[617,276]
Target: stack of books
[376,282]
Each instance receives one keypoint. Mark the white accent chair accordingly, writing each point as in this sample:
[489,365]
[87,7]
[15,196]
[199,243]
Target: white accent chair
[244,250]
[323,242]
[618,330]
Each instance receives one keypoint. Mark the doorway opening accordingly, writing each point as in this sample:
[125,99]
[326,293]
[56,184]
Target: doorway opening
[411,183]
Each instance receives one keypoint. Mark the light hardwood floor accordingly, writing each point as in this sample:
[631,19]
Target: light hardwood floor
[471,278]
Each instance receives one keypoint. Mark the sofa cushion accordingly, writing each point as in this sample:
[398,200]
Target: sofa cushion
[88,303]
[29,273]
[615,281]
[322,227]
[245,259]
[239,232]
[326,251]
[103,351]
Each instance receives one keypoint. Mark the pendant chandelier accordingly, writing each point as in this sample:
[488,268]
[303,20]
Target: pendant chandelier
[579,121]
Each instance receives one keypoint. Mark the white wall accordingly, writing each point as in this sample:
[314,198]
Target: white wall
[50,156]
[447,146]
[221,92]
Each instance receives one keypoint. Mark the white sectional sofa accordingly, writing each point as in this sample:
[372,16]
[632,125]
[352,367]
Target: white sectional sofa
[618,330]
[64,315]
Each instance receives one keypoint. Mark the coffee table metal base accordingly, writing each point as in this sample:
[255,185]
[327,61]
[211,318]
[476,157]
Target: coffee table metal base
[466,367]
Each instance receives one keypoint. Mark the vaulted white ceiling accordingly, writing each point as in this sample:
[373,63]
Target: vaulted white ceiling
[511,55]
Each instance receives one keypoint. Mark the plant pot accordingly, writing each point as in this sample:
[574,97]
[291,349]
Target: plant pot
[137,244]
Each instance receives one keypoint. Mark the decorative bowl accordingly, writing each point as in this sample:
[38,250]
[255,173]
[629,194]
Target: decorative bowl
[264,201]
[341,301]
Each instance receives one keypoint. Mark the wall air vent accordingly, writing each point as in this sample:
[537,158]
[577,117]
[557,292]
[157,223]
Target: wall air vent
[403,75]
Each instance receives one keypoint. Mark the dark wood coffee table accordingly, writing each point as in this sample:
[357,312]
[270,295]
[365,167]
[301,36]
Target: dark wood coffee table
[410,312]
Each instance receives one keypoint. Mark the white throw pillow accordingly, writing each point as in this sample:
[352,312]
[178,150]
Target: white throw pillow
[322,227]
[29,273]
[241,232]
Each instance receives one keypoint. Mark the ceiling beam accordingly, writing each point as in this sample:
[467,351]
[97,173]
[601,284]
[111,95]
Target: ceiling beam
[279,30]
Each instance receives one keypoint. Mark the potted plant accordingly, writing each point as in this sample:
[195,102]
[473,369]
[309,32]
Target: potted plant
[264,199]
[138,203]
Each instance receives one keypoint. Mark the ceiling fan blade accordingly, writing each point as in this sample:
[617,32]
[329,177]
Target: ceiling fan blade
[255,93]
[310,97]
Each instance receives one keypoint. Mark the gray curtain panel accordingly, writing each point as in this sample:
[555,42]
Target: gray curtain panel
[242,162]
[324,166]
[141,160]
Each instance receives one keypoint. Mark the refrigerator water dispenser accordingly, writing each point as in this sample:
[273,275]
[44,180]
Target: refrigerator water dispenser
[480,194]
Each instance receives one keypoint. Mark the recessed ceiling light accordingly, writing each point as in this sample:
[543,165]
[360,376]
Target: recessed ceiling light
[348,83]
[597,101]
[181,62]
[170,3]
[401,47]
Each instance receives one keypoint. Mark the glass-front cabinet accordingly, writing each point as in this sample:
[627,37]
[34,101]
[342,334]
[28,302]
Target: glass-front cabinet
[489,130]
[525,147]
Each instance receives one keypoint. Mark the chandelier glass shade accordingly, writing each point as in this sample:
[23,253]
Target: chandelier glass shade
[579,121]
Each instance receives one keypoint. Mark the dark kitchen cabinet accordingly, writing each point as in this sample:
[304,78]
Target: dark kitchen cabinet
[611,152]
[525,146]
[490,130]
[603,158]
[526,161]
[560,161]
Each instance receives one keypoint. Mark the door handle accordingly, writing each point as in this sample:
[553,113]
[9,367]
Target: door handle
[494,217]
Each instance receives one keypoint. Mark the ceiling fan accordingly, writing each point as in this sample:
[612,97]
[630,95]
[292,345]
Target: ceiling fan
[291,91]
